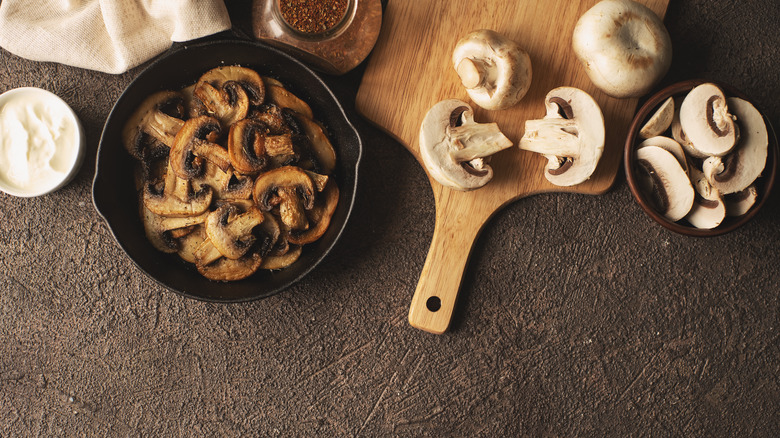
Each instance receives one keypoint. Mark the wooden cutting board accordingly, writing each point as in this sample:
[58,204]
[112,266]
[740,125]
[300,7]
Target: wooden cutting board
[410,70]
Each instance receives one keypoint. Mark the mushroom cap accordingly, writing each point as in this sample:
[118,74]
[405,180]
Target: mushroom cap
[571,136]
[706,121]
[623,46]
[739,169]
[671,192]
[495,70]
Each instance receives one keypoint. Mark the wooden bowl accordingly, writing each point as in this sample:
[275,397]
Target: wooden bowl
[763,184]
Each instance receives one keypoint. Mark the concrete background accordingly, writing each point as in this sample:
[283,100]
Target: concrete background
[578,314]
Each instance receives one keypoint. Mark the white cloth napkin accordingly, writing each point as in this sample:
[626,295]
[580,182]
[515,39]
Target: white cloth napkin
[111,36]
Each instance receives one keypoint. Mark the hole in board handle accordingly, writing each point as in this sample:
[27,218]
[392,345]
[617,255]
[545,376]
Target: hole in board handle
[433,304]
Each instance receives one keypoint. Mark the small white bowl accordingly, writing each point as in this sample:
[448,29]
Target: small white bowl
[68,163]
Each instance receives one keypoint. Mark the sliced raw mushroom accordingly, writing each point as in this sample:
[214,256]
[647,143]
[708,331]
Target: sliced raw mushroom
[289,188]
[570,136]
[318,217]
[708,210]
[670,145]
[739,169]
[671,192]
[660,121]
[150,130]
[284,260]
[175,197]
[231,231]
[228,103]
[495,70]
[679,136]
[623,46]
[225,269]
[740,203]
[195,143]
[454,148]
[706,121]
[249,80]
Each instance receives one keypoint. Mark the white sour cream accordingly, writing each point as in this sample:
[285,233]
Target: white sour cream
[40,142]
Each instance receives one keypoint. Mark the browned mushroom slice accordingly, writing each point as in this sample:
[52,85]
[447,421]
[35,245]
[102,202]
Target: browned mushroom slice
[229,103]
[318,217]
[191,242]
[174,197]
[230,231]
[320,181]
[268,234]
[247,146]
[226,185]
[284,98]
[291,189]
[150,130]
[193,106]
[282,261]
[206,253]
[224,269]
[270,115]
[249,80]
[321,147]
[159,229]
[195,143]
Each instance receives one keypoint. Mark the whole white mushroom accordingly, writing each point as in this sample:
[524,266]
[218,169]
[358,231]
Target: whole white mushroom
[623,46]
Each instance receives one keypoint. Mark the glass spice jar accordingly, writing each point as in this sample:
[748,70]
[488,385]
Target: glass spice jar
[332,36]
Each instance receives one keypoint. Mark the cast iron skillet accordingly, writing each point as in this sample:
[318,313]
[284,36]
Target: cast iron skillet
[113,189]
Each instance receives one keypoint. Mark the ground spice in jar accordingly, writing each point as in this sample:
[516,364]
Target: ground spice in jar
[313,16]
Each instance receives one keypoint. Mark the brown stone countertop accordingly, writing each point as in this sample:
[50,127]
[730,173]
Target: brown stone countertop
[578,315]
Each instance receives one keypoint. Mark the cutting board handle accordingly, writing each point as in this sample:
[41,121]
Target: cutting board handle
[437,290]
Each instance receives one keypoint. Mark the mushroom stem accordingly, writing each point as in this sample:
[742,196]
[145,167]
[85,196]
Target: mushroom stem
[477,140]
[472,73]
[551,137]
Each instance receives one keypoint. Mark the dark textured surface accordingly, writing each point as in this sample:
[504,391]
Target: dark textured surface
[578,314]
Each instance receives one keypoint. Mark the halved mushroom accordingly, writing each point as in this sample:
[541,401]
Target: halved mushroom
[249,80]
[454,147]
[289,188]
[740,203]
[231,231]
[671,192]
[195,143]
[708,210]
[495,70]
[175,197]
[150,130]
[706,121]
[623,46]
[659,121]
[229,103]
[225,269]
[571,136]
[318,217]
[737,170]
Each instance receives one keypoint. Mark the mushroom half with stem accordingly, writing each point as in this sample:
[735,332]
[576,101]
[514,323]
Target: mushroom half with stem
[571,136]
[455,148]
